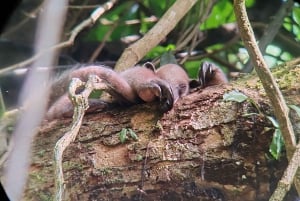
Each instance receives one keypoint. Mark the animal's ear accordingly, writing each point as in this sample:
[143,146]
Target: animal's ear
[150,66]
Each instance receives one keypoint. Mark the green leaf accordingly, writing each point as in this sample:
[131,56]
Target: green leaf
[139,157]
[286,56]
[145,26]
[250,3]
[287,24]
[123,135]
[296,109]
[96,94]
[192,68]
[276,144]
[167,58]
[133,134]
[235,96]
[222,13]
[159,50]
[296,15]
[273,121]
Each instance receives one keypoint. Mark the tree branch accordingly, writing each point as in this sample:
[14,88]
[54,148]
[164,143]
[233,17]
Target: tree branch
[138,50]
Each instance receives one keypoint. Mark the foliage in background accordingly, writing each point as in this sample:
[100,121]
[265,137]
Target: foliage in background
[221,14]
[292,23]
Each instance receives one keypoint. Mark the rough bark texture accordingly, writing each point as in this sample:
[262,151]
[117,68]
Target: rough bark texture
[203,149]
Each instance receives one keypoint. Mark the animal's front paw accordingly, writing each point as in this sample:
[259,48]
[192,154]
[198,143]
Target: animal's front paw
[209,74]
[166,96]
[157,90]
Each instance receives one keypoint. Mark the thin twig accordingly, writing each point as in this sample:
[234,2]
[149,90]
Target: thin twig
[282,39]
[150,19]
[213,54]
[102,44]
[184,40]
[83,6]
[80,102]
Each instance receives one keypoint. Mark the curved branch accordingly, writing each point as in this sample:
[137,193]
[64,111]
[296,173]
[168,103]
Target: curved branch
[80,102]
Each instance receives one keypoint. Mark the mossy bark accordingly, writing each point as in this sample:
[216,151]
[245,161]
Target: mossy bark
[203,149]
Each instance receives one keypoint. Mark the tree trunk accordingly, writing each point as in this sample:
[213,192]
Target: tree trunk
[203,149]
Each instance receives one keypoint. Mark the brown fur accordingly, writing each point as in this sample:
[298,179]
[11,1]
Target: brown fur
[128,87]
[138,84]
[177,77]
[210,74]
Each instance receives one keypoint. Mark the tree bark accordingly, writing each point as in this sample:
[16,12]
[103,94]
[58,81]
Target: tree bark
[203,149]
